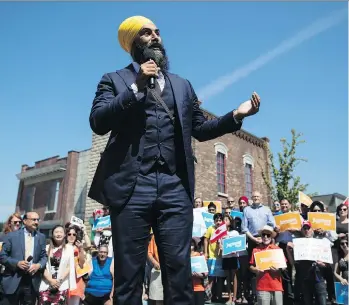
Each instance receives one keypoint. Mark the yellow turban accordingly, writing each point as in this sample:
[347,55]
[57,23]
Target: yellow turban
[129,29]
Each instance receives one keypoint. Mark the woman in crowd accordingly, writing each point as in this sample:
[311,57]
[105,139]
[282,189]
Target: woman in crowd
[198,202]
[342,228]
[341,268]
[59,275]
[198,278]
[74,238]
[13,223]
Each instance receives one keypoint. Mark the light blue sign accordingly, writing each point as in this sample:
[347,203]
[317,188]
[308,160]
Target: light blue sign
[208,218]
[198,264]
[197,230]
[341,293]
[234,244]
[215,267]
[101,223]
[237,214]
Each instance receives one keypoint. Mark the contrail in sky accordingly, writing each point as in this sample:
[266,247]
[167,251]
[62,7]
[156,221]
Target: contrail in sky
[312,30]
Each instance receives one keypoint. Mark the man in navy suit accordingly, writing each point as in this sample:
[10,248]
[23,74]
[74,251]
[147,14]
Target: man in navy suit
[146,172]
[22,276]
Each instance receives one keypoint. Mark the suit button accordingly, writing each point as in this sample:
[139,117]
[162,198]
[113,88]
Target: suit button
[155,158]
[139,158]
[159,116]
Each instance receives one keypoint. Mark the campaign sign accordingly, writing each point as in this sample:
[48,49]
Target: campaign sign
[215,267]
[198,264]
[341,293]
[208,218]
[76,221]
[101,223]
[234,244]
[237,214]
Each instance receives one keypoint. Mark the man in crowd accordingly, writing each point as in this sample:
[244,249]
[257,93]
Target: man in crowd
[146,173]
[24,256]
[255,217]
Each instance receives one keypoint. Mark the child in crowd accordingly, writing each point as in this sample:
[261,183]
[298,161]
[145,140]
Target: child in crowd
[230,263]
[268,282]
[212,251]
[199,289]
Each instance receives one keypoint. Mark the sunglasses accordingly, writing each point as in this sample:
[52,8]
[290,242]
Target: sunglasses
[71,234]
[16,222]
[317,210]
[306,228]
[343,210]
[344,244]
[266,234]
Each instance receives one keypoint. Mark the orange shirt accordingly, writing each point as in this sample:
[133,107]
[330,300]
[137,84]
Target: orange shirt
[197,282]
[267,281]
[153,249]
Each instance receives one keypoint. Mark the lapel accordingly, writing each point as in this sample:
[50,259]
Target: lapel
[177,89]
[128,74]
[36,245]
[22,241]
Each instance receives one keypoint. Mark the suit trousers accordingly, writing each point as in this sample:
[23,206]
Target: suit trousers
[24,295]
[159,200]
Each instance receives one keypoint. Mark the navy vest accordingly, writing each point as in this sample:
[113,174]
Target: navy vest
[159,144]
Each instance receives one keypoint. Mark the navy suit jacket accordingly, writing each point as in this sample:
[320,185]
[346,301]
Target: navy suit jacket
[13,251]
[116,109]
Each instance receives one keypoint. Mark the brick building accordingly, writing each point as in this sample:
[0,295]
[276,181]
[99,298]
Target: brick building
[56,188]
[226,166]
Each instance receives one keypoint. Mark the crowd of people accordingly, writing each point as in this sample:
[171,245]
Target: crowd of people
[73,267]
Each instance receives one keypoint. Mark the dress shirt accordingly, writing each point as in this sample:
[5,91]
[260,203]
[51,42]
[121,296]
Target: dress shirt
[255,218]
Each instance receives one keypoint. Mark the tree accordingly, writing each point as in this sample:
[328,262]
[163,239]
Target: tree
[282,183]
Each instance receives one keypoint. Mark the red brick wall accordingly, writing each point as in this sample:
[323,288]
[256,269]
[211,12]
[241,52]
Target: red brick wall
[206,172]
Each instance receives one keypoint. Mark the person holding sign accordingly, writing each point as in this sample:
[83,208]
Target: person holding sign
[310,274]
[230,263]
[199,289]
[269,282]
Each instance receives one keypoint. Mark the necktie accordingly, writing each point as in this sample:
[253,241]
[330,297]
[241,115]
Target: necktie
[157,87]
[28,246]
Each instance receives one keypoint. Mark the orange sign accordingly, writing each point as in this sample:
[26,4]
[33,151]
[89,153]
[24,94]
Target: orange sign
[270,258]
[218,205]
[82,271]
[305,199]
[325,221]
[288,221]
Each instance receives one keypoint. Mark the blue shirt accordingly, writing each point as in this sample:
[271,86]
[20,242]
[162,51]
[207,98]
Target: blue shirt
[255,218]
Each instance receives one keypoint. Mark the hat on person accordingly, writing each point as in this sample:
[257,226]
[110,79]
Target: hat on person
[129,29]
[306,223]
[244,198]
[268,229]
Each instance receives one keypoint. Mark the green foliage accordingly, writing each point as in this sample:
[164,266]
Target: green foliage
[283,182]
[1,226]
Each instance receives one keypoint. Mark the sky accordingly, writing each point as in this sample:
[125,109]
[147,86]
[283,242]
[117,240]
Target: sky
[53,55]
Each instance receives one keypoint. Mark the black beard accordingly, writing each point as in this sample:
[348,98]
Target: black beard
[137,51]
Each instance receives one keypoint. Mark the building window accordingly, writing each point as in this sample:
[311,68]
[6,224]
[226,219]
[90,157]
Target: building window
[53,201]
[221,179]
[248,162]
[248,180]
[28,198]
[221,151]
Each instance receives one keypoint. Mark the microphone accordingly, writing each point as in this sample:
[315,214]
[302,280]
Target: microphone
[149,54]
[29,259]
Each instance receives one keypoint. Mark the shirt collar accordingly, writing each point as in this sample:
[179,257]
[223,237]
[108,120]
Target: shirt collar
[253,206]
[26,232]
